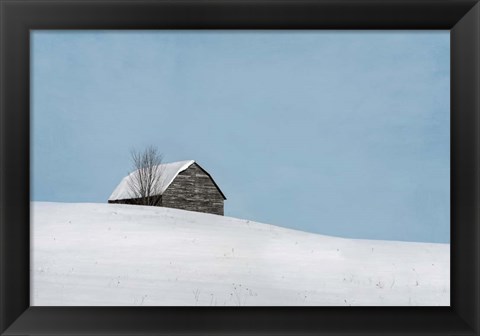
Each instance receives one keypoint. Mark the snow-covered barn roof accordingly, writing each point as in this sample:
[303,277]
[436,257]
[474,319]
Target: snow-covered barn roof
[168,173]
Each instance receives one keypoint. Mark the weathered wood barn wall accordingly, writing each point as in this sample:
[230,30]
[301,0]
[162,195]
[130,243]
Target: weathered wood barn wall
[194,190]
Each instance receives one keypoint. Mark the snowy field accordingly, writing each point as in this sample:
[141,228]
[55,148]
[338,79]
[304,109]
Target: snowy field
[123,255]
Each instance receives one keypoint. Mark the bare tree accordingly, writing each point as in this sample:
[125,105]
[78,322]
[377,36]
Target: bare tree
[145,181]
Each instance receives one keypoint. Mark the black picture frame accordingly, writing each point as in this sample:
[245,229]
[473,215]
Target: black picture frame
[18,17]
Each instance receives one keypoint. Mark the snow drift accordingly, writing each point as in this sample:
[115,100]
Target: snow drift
[124,255]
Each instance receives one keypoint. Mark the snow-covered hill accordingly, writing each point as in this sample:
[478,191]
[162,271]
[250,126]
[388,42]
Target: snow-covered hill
[106,254]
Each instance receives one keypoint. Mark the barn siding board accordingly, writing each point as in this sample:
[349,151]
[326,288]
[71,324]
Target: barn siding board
[133,201]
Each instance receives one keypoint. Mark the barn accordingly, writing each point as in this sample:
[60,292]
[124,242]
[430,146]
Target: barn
[183,185]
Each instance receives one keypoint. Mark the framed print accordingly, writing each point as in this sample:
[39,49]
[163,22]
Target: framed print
[144,144]
[212,212]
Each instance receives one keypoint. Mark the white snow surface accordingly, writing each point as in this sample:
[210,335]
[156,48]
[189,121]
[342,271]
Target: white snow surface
[125,255]
[167,172]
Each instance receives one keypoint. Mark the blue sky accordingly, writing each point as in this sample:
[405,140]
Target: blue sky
[339,133]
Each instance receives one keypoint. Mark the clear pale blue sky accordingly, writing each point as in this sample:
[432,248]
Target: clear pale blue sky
[340,133]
